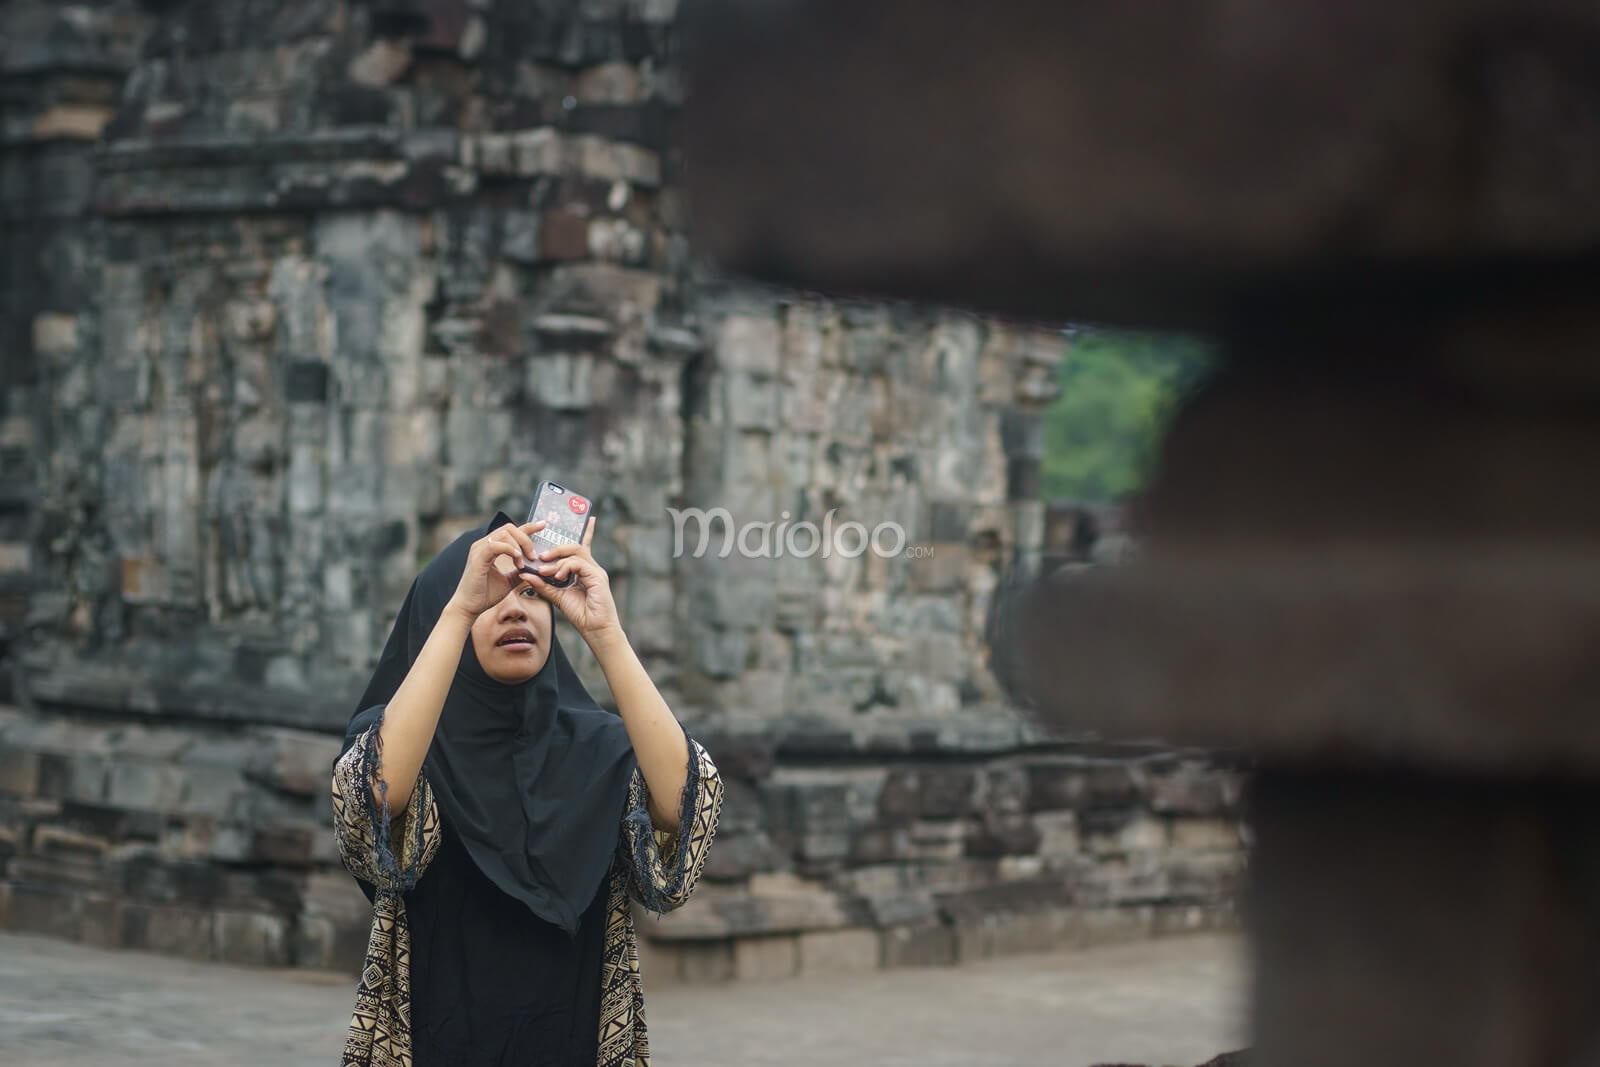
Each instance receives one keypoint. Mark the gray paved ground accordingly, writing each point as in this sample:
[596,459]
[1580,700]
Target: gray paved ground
[1167,1002]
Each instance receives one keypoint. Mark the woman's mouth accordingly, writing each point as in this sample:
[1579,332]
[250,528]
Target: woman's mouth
[516,641]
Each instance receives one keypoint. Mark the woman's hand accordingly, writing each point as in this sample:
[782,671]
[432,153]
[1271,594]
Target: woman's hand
[491,570]
[587,603]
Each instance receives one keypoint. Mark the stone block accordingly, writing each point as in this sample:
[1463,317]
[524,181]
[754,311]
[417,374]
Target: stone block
[898,906]
[186,837]
[1003,789]
[335,895]
[144,874]
[154,745]
[144,786]
[949,520]
[1195,790]
[55,333]
[1143,833]
[837,952]
[250,938]
[616,241]
[1110,926]
[43,909]
[720,651]
[1205,835]
[744,756]
[16,558]
[823,803]
[306,381]
[748,343]
[929,792]
[973,900]
[650,554]
[919,945]
[563,381]
[55,841]
[706,961]
[312,945]
[766,958]
[285,842]
[1082,784]
[100,922]
[1114,882]
[76,872]
[737,856]
[211,790]
[1058,833]
[1099,828]
[942,657]
[770,906]
[746,601]
[753,403]
[610,161]
[1048,929]
[269,889]
[19,772]
[1002,835]
[932,840]
[1213,876]
[296,762]
[942,570]
[231,843]
[876,844]
[563,235]
[833,694]
[170,930]
[72,777]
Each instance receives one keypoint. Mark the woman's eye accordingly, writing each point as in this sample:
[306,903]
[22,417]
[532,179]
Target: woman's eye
[530,591]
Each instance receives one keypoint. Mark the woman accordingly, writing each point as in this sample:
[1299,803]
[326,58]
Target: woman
[501,821]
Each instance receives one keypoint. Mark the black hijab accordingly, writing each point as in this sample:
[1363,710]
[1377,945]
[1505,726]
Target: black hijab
[531,778]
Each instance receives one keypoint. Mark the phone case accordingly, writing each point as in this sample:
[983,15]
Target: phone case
[565,513]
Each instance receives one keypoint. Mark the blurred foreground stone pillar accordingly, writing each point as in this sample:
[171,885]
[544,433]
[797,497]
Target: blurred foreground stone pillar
[1371,556]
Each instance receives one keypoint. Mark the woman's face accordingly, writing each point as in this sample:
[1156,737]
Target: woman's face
[512,639]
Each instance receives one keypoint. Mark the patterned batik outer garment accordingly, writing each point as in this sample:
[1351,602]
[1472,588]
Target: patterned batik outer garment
[658,870]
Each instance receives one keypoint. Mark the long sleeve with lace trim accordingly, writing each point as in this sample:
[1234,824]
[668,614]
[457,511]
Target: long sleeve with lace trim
[663,868]
[387,853]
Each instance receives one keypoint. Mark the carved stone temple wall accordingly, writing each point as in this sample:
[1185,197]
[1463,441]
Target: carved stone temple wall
[293,293]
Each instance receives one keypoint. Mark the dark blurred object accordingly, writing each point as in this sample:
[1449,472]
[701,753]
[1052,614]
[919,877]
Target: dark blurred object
[1403,918]
[1227,1059]
[1370,554]
[1110,161]
[1342,556]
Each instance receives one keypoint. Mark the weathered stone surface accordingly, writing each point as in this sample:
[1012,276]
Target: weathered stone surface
[828,952]
[292,761]
[919,945]
[765,958]
[251,938]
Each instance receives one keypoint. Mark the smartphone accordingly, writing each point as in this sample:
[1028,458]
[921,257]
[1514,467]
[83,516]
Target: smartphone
[565,513]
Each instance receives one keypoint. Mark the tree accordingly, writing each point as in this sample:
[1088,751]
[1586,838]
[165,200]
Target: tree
[1118,388]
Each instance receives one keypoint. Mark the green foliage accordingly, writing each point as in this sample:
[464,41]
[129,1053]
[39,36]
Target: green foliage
[1118,389]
